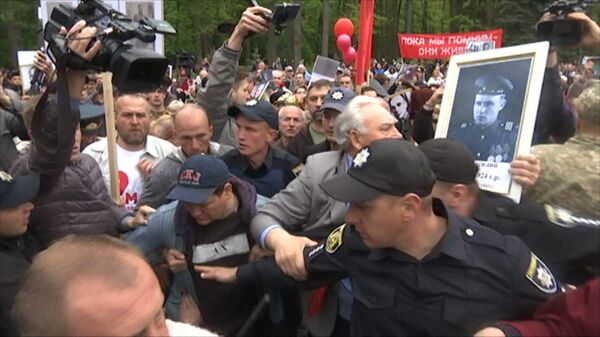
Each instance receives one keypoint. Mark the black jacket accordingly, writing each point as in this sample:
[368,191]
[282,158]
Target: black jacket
[568,251]
[15,258]
[72,197]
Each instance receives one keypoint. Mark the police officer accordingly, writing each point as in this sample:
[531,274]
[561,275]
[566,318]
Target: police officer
[488,137]
[569,243]
[416,268]
[91,123]
[16,248]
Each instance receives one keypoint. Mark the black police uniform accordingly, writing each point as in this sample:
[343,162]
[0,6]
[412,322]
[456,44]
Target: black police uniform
[569,244]
[472,277]
[495,143]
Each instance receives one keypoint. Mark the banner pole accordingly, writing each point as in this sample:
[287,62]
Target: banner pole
[111,136]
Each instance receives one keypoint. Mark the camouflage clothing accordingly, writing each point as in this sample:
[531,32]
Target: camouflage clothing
[570,176]
[495,143]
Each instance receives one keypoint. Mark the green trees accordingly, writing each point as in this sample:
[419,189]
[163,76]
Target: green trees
[196,22]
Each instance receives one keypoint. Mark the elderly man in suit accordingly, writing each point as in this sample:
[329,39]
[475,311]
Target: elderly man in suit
[302,212]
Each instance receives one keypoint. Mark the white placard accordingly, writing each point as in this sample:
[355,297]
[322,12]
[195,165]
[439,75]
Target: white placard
[324,68]
[25,59]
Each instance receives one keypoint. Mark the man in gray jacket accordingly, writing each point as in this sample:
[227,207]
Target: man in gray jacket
[302,212]
[215,97]
[193,132]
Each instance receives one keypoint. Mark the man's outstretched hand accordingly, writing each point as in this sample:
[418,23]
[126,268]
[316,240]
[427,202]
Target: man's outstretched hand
[219,274]
[250,22]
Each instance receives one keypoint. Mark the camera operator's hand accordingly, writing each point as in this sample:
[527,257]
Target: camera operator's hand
[590,37]
[80,37]
[250,22]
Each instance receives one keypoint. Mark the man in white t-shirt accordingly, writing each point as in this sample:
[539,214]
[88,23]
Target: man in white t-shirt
[137,152]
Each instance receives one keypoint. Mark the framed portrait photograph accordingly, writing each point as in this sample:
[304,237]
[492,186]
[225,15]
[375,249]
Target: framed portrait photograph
[490,104]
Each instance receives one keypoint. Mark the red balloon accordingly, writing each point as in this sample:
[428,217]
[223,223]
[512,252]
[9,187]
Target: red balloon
[343,42]
[343,26]
[349,55]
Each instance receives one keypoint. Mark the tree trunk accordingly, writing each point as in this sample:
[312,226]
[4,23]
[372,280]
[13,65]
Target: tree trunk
[297,39]
[198,22]
[271,46]
[424,18]
[490,14]
[409,16]
[325,29]
[456,7]
[397,17]
[12,33]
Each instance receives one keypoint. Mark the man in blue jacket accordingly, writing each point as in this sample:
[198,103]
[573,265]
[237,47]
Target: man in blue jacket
[209,224]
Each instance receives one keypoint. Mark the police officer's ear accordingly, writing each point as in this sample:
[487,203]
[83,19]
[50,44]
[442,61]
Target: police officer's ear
[410,205]
[272,135]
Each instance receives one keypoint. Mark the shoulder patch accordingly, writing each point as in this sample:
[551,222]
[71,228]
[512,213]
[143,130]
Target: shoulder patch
[335,239]
[297,169]
[541,277]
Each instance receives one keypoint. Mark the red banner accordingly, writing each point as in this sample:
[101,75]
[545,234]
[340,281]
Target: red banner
[365,40]
[440,46]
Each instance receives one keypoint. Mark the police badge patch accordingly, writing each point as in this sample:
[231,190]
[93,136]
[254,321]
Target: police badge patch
[334,240]
[540,276]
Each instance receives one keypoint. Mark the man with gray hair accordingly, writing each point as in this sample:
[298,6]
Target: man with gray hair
[291,121]
[302,212]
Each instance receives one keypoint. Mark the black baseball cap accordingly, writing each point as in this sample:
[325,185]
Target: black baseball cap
[18,190]
[450,160]
[337,98]
[387,166]
[198,178]
[257,111]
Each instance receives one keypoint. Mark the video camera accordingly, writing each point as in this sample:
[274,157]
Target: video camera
[134,69]
[560,30]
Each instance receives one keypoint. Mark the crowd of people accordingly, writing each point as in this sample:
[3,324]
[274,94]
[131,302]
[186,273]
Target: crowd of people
[263,203]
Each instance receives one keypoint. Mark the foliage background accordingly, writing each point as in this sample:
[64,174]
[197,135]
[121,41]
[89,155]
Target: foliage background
[311,33]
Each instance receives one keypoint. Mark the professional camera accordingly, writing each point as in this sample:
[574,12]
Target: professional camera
[560,30]
[134,69]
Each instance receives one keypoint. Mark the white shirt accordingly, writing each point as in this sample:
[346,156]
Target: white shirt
[156,149]
[130,180]
[183,329]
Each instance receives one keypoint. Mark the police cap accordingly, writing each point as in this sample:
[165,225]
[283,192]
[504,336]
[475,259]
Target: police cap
[91,118]
[450,160]
[387,166]
[493,85]
[337,99]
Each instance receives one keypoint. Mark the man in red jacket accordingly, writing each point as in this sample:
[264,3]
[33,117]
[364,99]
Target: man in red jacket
[574,313]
